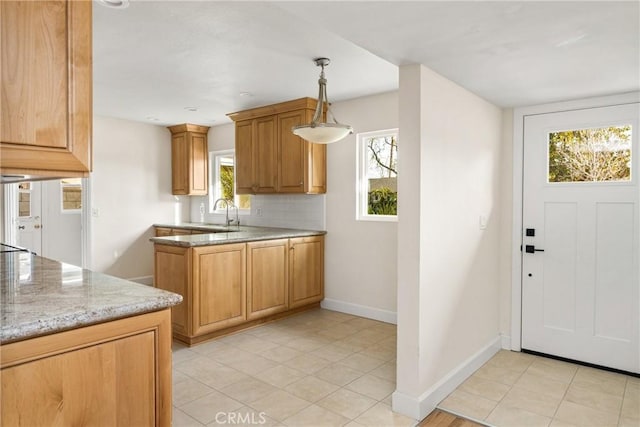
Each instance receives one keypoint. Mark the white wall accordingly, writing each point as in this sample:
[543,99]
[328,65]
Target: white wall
[448,277]
[360,256]
[506,224]
[131,189]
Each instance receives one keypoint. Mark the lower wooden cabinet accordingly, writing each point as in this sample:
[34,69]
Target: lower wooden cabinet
[116,373]
[166,231]
[173,273]
[219,287]
[267,274]
[232,286]
[306,270]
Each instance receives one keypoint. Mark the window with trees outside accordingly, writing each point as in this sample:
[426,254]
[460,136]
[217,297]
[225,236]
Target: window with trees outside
[223,184]
[377,166]
[590,155]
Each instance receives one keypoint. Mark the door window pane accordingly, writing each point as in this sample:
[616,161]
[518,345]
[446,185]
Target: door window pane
[590,155]
[71,194]
[24,199]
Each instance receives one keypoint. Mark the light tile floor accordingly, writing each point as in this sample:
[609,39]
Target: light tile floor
[324,368]
[516,389]
[318,368]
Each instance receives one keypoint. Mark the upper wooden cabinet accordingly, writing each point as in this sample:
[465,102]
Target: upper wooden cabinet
[257,156]
[270,158]
[189,160]
[46,114]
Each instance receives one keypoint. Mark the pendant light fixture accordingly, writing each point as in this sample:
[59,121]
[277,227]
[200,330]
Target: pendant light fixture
[318,131]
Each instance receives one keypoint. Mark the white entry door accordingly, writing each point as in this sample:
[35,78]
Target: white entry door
[29,217]
[581,257]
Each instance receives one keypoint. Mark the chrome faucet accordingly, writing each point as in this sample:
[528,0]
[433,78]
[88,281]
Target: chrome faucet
[237,220]
[227,203]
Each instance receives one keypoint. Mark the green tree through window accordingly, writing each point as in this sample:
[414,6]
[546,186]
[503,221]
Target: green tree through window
[590,155]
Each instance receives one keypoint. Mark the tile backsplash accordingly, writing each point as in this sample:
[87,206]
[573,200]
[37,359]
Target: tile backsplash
[300,211]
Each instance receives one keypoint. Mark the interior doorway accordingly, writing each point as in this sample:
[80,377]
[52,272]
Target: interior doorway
[48,218]
[580,275]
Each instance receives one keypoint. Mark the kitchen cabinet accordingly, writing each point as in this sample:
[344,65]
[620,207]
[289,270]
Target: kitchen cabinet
[270,159]
[116,373]
[173,272]
[256,156]
[219,287]
[166,231]
[231,286]
[267,277]
[46,83]
[189,160]
[306,270]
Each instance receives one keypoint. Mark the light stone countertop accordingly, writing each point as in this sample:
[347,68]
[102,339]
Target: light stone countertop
[39,296]
[233,234]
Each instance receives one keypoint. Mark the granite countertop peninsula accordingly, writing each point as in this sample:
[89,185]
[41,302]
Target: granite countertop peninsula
[39,296]
[220,234]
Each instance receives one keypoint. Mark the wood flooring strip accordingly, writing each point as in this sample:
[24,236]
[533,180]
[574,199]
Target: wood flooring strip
[439,418]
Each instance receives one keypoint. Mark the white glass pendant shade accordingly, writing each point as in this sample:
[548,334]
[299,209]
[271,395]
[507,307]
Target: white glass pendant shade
[322,132]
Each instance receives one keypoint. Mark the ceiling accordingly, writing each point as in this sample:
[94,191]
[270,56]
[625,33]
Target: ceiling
[169,62]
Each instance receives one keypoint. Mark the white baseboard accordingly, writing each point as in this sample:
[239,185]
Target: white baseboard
[418,408]
[144,280]
[506,342]
[360,310]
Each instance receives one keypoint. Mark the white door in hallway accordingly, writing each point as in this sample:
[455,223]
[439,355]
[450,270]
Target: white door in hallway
[581,257]
[29,219]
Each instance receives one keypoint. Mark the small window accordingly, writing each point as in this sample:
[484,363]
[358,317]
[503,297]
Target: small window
[590,155]
[223,181]
[24,199]
[377,175]
[71,189]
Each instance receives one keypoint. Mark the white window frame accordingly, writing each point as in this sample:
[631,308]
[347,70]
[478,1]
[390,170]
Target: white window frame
[362,185]
[214,182]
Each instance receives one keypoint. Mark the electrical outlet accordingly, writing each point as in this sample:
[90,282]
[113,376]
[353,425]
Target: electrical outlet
[95,212]
[259,211]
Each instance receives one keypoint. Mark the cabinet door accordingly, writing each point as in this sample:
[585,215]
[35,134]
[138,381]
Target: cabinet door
[267,286]
[110,384]
[163,231]
[266,155]
[292,165]
[179,167]
[172,273]
[45,73]
[198,164]
[219,287]
[189,160]
[303,166]
[306,270]
[244,167]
